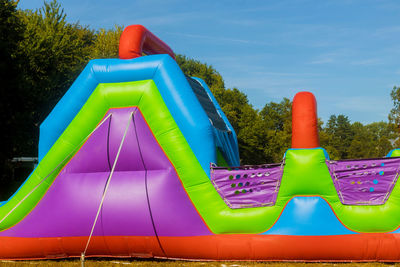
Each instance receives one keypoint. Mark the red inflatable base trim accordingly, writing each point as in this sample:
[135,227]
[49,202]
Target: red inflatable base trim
[357,247]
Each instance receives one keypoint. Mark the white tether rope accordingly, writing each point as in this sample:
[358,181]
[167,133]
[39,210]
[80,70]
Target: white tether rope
[44,179]
[106,188]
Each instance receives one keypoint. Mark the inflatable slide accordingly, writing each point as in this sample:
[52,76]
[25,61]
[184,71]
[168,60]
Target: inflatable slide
[139,160]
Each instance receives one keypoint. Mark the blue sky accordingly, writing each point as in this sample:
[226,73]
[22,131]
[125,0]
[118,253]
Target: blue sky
[345,52]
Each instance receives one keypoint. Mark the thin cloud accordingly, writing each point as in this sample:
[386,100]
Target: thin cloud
[362,104]
[286,74]
[322,60]
[241,22]
[387,32]
[169,19]
[216,39]
[327,58]
[368,62]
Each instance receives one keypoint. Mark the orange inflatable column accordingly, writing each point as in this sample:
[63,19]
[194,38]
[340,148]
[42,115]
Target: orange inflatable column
[304,121]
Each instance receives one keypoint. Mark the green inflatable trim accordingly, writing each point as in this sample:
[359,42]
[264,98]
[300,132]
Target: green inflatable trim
[305,171]
[395,153]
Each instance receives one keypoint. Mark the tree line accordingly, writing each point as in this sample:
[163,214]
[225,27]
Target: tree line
[264,135]
[42,54]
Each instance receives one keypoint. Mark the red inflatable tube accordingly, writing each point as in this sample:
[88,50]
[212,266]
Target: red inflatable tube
[136,39]
[337,248]
[304,121]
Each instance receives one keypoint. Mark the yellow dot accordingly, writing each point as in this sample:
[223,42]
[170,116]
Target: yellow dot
[359,182]
[352,182]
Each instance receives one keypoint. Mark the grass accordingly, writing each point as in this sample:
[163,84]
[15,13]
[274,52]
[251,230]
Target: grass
[168,263]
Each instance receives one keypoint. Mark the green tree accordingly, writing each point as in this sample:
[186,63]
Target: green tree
[394,115]
[251,136]
[371,140]
[340,135]
[45,54]
[203,71]
[361,143]
[277,118]
[56,52]
[11,33]
[106,43]
[384,137]
[345,140]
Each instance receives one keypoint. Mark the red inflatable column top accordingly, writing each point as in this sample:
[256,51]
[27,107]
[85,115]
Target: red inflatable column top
[136,39]
[304,121]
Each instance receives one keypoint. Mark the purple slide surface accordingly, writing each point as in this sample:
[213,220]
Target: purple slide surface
[145,196]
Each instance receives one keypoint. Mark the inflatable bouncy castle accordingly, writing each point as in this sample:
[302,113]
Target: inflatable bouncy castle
[138,160]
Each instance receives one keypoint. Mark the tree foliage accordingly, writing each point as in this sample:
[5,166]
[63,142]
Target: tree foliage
[206,72]
[55,52]
[106,43]
[11,34]
[278,126]
[394,115]
[343,139]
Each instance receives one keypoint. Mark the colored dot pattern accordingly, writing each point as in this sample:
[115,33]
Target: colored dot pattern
[364,182]
[248,186]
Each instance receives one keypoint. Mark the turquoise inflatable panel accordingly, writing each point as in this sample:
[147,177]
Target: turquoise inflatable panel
[308,216]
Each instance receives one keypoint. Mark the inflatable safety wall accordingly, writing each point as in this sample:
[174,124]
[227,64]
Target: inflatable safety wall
[138,160]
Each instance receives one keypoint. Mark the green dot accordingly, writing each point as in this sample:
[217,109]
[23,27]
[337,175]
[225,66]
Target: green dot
[244,191]
[233,185]
[230,177]
[237,192]
[240,184]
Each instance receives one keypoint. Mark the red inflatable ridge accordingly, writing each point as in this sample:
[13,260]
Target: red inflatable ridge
[136,40]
